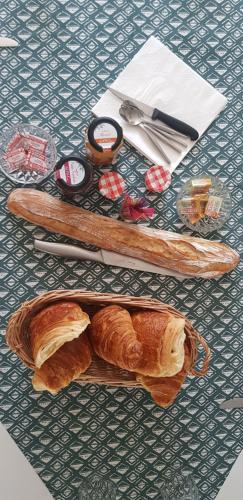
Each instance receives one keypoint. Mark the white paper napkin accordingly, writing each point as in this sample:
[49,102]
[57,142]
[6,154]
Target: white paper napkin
[159,78]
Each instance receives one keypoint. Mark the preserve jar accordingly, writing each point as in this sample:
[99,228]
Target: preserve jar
[73,175]
[103,140]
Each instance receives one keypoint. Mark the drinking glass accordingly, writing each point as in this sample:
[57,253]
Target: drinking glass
[96,488]
[179,488]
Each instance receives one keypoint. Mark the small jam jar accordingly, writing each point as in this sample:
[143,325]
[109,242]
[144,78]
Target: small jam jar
[73,175]
[104,138]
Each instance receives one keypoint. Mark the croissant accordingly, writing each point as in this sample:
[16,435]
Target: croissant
[114,338]
[72,359]
[164,390]
[53,326]
[162,337]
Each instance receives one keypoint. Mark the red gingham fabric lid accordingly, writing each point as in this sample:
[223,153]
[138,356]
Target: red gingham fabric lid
[157,178]
[111,185]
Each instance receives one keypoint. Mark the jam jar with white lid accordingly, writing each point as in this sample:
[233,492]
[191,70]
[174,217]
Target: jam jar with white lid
[73,175]
[104,138]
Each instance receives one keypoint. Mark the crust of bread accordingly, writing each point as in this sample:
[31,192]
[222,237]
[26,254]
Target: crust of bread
[187,255]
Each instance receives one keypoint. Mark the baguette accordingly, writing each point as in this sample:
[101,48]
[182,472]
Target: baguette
[187,255]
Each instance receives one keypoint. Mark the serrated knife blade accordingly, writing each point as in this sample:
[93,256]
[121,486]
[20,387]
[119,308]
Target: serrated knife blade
[104,256]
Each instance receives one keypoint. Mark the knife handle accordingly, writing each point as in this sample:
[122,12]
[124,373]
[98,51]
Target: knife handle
[176,124]
[64,250]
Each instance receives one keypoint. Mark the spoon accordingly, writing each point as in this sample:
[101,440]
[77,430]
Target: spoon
[166,139]
[137,114]
[129,116]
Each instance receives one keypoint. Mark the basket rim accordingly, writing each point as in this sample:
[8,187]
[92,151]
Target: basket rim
[17,328]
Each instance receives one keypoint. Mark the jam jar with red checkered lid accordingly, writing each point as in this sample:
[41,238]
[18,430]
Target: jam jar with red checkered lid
[73,175]
[103,140]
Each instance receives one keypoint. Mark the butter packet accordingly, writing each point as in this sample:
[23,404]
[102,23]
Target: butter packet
[191,207]
[201,185]
[213,206]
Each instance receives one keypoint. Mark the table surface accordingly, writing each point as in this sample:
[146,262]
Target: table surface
[69,51]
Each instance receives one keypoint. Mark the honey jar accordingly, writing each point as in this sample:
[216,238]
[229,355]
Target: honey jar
[104,138]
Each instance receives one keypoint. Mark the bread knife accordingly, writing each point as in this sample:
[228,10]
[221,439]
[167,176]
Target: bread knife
[104,256]
[232,403]
[156,114]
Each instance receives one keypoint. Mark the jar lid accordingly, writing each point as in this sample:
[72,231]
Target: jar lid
[105,134]
[157,178]
[111,185]
[72,172]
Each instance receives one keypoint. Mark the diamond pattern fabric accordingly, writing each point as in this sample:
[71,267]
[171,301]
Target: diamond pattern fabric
[69,52]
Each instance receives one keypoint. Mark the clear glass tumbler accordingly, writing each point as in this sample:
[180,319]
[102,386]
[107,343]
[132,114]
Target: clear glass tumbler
[96,488]
[179,488]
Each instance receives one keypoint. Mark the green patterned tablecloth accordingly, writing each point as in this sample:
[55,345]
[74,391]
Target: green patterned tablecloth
[69,51]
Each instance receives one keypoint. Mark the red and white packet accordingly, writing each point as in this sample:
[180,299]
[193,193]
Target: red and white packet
[37,143]
[36,161]
[16,158]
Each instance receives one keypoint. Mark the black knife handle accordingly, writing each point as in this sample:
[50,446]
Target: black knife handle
[176,124]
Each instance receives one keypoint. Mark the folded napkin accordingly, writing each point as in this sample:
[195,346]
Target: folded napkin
[159,78]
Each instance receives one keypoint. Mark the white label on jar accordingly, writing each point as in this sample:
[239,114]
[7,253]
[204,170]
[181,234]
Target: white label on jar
[71,172]
[105,135]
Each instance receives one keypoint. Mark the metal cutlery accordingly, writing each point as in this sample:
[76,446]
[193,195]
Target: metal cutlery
[131,118]
[155,125]
[104,256]
[7,42]
[156,114]
[165,132]
[232,403]
[166,140]
[134,116]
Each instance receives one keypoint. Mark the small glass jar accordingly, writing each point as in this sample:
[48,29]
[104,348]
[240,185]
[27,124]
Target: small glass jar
[103,140]
[73,175]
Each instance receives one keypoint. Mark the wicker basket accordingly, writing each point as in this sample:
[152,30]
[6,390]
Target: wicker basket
[100,372]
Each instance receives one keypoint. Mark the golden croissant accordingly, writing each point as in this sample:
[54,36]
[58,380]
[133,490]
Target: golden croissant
[162,337]
[53,326]
[114,338]
[72,359]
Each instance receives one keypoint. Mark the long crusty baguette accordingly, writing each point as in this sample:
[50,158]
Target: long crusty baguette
[184,254]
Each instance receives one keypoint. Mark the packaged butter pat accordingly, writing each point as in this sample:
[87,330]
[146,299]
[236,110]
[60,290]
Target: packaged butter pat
[213,206]
[191,207]
[201,185]
[203,199]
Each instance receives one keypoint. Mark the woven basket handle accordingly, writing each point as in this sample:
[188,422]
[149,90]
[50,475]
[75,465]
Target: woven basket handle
[206,359]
